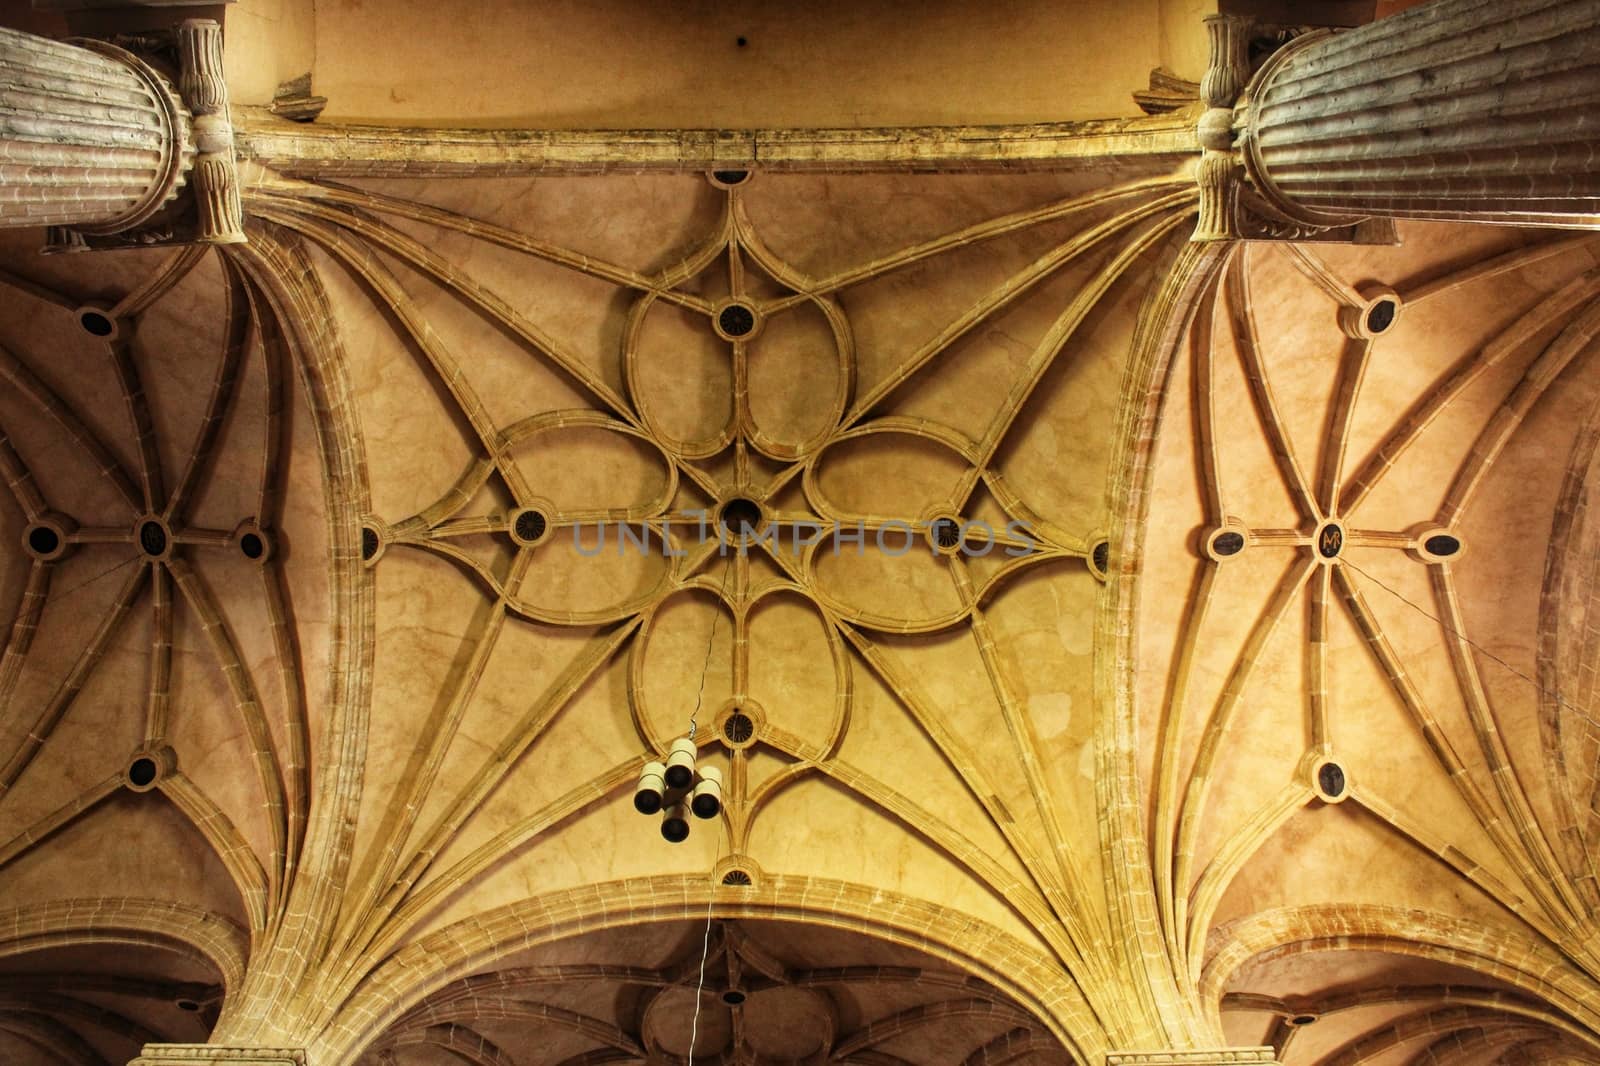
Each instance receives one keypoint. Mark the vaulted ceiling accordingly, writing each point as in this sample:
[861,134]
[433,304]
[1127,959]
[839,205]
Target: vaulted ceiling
[1248,696]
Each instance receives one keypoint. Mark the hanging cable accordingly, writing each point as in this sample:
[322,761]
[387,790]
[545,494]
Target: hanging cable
[711,643]
[711,895]
[64,593]
[1581,712]
[705,950]
[678,786]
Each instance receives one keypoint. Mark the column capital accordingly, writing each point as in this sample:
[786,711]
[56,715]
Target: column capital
[216,181]
[217,1055]
[1232,207]
[1219,174]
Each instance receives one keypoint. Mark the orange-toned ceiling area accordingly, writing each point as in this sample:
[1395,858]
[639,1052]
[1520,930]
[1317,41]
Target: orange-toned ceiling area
[1248,698]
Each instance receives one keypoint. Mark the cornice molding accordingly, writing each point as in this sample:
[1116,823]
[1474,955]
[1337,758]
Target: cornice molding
[1218,1057]
[335,150]
[188,1054]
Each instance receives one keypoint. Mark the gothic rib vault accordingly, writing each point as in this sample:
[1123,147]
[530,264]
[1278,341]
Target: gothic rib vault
[321,713]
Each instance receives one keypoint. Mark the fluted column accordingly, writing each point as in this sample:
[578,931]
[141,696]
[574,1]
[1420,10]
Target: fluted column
[90,136]
[1484,110]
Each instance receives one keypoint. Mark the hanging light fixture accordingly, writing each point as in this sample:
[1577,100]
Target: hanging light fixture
[678,789]
[680,762]
[651,793]
[706,801]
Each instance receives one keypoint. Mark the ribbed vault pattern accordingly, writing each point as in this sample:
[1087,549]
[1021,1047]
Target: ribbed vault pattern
[1208,658]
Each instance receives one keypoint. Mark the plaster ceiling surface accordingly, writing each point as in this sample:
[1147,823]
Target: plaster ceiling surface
[694,64]
[324,699]
[736,63]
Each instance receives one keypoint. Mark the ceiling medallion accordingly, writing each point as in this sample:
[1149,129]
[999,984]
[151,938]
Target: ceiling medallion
[530,526]
[946,533]
[1226,541]
[373,542]
[740,519]
[1330,781]
[728,179]
[1099,557]
[147,767]
[1437,544]
[736,319]
[1329,539]
[98,322]
[253,542]
[48,537]
[1375,316]
[153,536]
[739,723]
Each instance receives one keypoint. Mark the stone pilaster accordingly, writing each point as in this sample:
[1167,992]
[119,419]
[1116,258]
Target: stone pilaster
[90,136]
[217,1055]
[1219,174]
[216,183]
[1480,110]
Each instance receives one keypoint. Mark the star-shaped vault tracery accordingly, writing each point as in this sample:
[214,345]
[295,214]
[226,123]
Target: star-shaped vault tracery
[740,381]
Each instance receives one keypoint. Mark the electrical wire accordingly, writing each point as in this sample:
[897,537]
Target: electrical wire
[1581,712]
[705,950]
[711,896]
[711,643]
[58,597]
